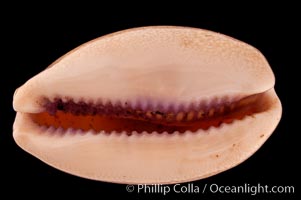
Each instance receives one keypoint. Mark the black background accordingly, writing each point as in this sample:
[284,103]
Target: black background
[33,40]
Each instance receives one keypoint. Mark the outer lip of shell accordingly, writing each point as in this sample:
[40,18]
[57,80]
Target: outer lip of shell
[167,158]
[192,63]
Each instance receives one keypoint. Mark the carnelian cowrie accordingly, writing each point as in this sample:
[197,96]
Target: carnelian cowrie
[157,104]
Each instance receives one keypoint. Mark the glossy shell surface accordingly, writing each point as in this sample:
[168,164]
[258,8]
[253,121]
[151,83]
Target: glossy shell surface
[158,67]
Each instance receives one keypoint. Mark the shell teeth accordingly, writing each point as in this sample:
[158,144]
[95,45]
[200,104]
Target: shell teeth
[191,111]
[59,131]
[153,106]
[43,128]
[152,110]
[184,106]
[166,107]
[142,105]
[92,132]
[161,113]
[170,116]
[159,116]
[200,114]
[180,116]
[51,129]
[70,131]
[149,114]
[190,115]
[135,105]
[75,100]
[65,99]
[53,98]
[139,112]
[232,106]
[222,109]
[211,112]
[80,131]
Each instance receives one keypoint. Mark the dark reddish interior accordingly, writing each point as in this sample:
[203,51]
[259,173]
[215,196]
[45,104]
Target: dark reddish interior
[85,117]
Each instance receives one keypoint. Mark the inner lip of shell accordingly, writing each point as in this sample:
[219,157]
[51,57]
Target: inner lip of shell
[122,117]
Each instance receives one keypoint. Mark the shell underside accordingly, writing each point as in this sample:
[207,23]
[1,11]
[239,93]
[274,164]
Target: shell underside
[149,105]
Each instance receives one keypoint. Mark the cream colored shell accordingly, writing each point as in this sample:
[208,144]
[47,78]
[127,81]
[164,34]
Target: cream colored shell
[154,65]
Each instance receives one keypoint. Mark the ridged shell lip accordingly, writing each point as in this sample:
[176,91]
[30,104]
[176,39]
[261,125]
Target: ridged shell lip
[128,117]
[159,63]
[217,149]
